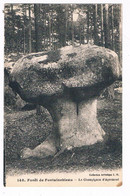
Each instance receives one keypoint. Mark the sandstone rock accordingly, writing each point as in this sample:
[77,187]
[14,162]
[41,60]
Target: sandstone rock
[67,82]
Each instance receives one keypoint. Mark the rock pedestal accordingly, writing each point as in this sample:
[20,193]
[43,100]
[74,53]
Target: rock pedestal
[67,82]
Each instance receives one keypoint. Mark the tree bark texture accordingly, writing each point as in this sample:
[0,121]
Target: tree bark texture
[95,25]
[88,24]
[38,33]
[102,38]
[30,29]
[120,35]
[106,27]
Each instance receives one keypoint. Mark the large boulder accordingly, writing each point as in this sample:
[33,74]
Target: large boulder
[67,82]
[82,66]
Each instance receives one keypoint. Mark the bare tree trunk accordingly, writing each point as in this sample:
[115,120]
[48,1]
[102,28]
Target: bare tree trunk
[24,26]
[112,26]
[72,27]
[106,27]
[49,29]
[44,23]
[13,29]
[66,22]
[102,40]
[52,30]
[88,24]
[120,35]
[95,25]
[30,29]
[38,32]
[43,17]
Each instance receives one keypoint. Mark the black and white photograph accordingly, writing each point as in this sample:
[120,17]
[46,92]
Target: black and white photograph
[62,95]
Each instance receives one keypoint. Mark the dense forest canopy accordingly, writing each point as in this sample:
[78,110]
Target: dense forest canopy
[38,27]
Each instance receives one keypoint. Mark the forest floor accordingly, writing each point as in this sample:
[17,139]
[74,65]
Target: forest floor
[26,129]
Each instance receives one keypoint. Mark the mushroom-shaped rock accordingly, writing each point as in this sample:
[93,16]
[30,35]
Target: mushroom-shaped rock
[67,82]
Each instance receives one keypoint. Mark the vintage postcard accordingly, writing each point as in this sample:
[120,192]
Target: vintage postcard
[62,95]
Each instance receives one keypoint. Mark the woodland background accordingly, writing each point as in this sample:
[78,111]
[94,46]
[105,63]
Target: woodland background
[37,27]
